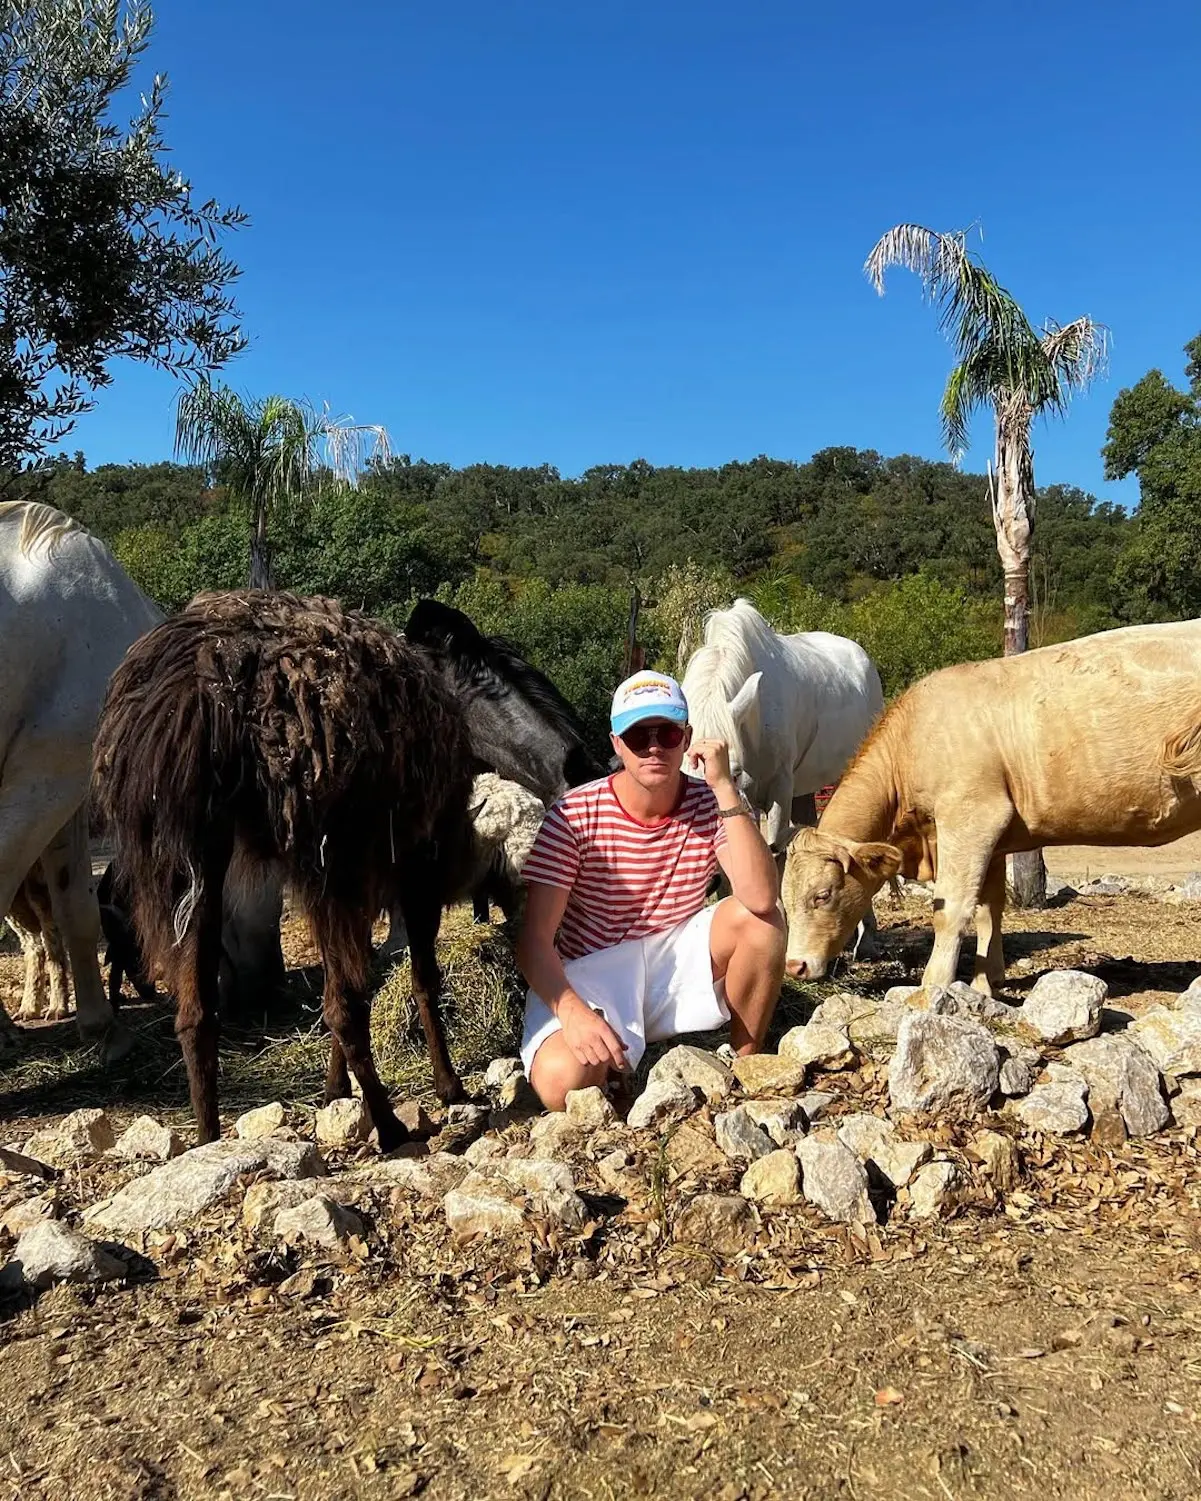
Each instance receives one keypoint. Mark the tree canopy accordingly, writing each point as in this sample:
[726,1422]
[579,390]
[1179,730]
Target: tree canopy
[103,252]
[1155,433]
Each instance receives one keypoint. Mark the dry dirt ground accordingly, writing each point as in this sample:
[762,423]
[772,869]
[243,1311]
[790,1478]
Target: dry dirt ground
[1046,1346]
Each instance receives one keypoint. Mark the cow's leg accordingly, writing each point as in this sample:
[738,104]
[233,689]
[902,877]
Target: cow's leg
[343,935]
[964,856]
[989,975]
[68,871]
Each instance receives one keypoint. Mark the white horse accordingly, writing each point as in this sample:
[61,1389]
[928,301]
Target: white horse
[793,709]
[68,611]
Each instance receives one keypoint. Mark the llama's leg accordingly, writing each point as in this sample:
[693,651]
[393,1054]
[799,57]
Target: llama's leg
[193,979]
[481,909]
[397,942]
[989,975]
[337,1075]
[68,871]
[344,938]
[964,856]
[56,971]
[423,913]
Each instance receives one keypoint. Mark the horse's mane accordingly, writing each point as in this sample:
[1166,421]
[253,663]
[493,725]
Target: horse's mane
[490,666]
[39,523]
[719,667]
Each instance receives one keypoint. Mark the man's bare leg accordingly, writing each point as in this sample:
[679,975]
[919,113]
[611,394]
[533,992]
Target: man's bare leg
[556,1070]
[747,951]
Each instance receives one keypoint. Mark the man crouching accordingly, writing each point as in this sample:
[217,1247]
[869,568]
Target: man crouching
[618,946]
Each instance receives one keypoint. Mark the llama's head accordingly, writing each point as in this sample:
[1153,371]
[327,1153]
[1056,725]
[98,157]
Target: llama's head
[828,886]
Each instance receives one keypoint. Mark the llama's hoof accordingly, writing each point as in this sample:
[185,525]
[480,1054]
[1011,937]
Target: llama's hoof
[391,1134]
[116,1043]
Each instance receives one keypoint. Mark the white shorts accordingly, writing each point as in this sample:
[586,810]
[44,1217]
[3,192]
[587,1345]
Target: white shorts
[647,988]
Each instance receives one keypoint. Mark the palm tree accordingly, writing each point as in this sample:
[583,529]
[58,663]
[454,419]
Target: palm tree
[268,451]
[1001,362]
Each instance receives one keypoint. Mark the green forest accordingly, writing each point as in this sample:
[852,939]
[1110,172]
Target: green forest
[898,553]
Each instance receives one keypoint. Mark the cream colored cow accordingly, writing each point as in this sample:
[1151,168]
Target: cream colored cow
[1096,741]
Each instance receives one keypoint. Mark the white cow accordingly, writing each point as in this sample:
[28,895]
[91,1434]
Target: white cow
[68,612]
[793,709]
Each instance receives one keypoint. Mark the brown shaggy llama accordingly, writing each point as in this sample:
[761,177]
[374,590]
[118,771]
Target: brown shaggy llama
[258,730]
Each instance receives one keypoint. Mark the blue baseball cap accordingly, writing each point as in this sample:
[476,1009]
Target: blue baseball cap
[647,695]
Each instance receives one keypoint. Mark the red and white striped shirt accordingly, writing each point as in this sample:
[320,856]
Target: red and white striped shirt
[625,878]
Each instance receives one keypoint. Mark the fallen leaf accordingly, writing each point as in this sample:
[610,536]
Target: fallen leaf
[888,1396]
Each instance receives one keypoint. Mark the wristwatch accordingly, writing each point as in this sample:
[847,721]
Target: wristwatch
[742,806]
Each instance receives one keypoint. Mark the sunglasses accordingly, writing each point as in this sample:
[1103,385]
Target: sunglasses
[640,737]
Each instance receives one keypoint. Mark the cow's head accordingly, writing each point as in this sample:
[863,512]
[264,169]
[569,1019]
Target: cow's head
[828,885]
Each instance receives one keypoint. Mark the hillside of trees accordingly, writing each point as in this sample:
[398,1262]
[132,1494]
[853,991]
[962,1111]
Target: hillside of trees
[897,552]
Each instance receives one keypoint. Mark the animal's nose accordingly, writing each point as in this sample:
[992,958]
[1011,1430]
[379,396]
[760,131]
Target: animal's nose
[797,968]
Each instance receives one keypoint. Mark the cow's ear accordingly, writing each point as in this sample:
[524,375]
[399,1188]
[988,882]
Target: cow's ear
[879,861]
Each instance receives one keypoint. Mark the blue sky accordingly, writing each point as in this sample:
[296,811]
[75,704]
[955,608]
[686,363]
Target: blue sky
[591,233]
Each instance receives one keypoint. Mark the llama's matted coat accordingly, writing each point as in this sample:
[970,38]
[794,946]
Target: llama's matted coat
[257,729]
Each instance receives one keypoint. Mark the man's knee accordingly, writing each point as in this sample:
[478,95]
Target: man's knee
[556,1071]
[765,933]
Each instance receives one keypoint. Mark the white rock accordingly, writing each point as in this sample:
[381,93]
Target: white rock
[870,1023]
[499,1070]
[935,1189]
[774,1179]
[482,1148]
[784,1121]
[1186,1103]
[834,1179]
[874,1140]
[818,1045]
[1121,1076]
[264,1121]
[721,1223]
[815,1104]
[1064,1006]
[20,1165]
[183,1189]
[18,1218]
[264,1201]
[51,1252]
[318,1221]
[942,1063]
[555,1133]
[496,1197]
[428,1177]
[1171,1037]
[1057,1107]
[1020,1067]
[516,1100]
[343,1123]
[590,1108]
[768,1073]
[148,1141]
[80,1136]
[1000,1157]
[661,1100]
[697,1069]
[739,1137]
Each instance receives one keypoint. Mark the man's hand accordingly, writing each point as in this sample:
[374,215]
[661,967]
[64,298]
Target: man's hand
[712,757]
[588,1035]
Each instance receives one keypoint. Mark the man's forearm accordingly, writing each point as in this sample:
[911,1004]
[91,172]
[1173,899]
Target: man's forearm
[544,973]
[748,860]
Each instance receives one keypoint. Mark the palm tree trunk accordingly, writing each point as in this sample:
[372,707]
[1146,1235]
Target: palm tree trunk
[262,574]
[1012,496]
